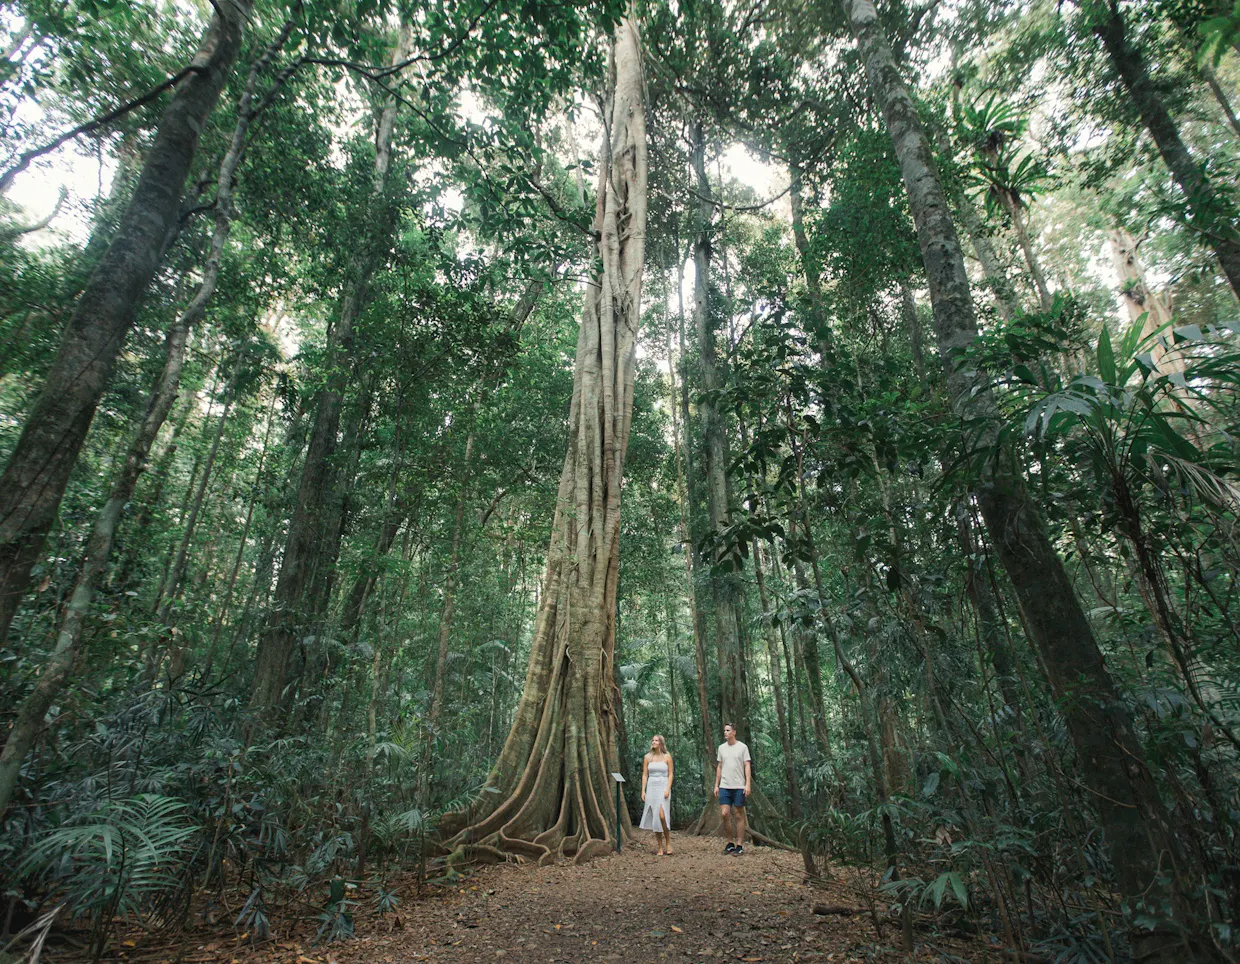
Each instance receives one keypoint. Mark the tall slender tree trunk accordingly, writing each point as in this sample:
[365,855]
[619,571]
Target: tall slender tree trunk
[1140,299]
[38,470]
[1209,212]
[363,585]
[799,531]
[444,632]
[912,324]
[1020,227]
[173,585]
[734,701]
[992,268]
[777,688]
[550,793]
[32,710]
[297,607]
[686,487]
[1220,95]
[772,651]
[102,539]
[1140,840]
[994,641]
[813,281]
[520,313]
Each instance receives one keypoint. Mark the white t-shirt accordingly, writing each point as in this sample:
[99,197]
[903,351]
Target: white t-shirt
[733,757]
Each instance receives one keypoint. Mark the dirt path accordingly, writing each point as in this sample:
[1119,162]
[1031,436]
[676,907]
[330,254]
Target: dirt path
[697,905]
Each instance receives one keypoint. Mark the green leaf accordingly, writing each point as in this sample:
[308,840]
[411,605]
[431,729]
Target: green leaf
[1106,357]
[958,887]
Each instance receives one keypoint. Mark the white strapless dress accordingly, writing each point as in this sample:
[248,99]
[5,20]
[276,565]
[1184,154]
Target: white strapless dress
[656,786]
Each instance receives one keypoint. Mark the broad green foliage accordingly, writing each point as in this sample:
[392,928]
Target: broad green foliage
[154,784]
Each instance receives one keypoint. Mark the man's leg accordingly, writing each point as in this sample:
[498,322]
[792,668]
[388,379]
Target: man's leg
[740,826]
[726,813]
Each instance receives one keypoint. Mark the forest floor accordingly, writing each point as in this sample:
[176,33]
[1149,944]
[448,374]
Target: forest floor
[696,905]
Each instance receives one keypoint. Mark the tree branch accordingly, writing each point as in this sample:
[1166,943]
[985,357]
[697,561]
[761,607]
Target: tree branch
[13,232]
[23,160]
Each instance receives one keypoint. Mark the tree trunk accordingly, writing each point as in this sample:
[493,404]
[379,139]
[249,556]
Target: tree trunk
[449,595]
[777,687]
[799,530]
[1140,299]
[1209,212]
[37,472]
[296,607]
[1020,227]
[103,534]
[912,324]
[996,278]
[1134,820]
[813,282]
[173,585]
[30,714]
[1220,95]
[686,487]
[990,632]
[243,541]
[772,651]
[734,701]
[550,794]
[520,312]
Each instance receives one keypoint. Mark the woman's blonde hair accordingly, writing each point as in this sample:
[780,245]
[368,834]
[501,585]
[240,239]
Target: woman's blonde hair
[658,738]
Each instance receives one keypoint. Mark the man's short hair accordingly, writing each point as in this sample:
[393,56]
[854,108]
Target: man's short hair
[730,726]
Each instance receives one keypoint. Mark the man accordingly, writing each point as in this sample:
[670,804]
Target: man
[733,774]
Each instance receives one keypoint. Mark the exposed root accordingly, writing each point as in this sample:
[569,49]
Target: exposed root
[550,796]
[759,809]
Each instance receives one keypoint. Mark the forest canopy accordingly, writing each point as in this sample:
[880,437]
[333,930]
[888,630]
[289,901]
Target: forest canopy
[408,410]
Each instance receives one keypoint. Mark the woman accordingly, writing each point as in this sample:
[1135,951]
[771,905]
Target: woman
[657,775]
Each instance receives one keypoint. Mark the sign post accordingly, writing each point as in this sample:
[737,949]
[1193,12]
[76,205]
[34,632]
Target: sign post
[619,803]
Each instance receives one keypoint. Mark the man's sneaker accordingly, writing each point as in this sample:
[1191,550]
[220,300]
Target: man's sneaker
[737,851]
[730,848]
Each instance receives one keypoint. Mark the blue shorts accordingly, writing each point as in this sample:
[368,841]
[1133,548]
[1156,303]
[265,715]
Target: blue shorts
[731,798]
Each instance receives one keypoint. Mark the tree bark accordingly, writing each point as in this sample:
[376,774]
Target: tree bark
[1020,227]
[38,470]
[1209,212]
[102,539]
[734,701]
[33,709]
[799,531]
[1135,822]
[912,324]
[449,593]
[1140,299]
[686,488]
[992,268]
[772,651]
[995,643]
[173,585]
[777,687]
[813,281]
[296,605]
[1220,95]
[550,793]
